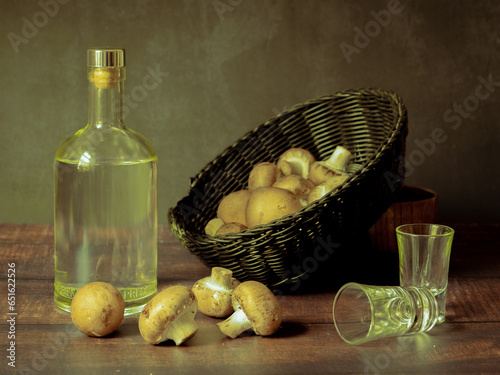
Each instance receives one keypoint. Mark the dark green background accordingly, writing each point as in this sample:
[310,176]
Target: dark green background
[232,64]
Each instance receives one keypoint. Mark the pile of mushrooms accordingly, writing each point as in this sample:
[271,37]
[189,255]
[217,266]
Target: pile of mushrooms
[250,305]
[278,189]
[98,309]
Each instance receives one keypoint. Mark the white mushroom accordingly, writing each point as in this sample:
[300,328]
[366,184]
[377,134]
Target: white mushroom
[256,308]
[169,316]
[97,309]
[270,203]
[321,171]
[297,185]
[232,207]
[214,293]
[213,226]
[322,189]
[230,228]
[263,175]
[296,161]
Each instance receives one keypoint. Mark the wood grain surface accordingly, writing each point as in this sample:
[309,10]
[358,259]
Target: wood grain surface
[46,341]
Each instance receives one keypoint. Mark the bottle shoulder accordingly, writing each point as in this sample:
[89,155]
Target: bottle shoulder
[106,144]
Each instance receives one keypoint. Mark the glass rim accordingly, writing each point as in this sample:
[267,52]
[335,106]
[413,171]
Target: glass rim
[351,284]
[450,230]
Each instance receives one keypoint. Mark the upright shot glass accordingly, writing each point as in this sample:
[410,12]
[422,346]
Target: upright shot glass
[424,259]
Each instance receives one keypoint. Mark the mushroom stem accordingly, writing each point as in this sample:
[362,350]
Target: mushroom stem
[236,324]
[339,159]
[182,329]
[222,277]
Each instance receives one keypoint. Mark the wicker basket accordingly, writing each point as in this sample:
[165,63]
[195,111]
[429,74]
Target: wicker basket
[371,123]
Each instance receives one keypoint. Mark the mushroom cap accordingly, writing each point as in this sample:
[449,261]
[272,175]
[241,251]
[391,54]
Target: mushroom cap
[324,188]
[296,184]
[296,161]
[97,309]
[163,309]
[270,203]
[213,226]
[260,306]
[230,228]
[263,175]
[233,206]
[214,292]
[320,172]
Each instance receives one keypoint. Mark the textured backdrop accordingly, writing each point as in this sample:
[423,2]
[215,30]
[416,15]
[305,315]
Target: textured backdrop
[222,67]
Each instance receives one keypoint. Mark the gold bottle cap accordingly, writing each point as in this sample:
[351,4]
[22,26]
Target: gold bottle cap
[106,57]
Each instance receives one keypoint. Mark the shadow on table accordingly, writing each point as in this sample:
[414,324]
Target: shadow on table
[355,261]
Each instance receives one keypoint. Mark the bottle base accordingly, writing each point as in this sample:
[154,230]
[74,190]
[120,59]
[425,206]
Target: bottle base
[132,307]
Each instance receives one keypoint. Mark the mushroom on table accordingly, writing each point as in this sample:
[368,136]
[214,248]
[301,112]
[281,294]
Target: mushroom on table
[169,316]
[214,293]
[97,309]
[256,308]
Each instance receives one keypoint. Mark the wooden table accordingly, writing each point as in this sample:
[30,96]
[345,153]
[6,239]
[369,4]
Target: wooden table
[46,342]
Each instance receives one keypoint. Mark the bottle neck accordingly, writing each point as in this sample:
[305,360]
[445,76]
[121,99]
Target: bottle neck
[106,97]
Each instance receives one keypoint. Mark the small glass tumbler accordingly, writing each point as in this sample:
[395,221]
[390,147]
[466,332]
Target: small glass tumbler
[363,313]
[424,259]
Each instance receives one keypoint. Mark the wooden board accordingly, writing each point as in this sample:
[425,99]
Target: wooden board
[47,342]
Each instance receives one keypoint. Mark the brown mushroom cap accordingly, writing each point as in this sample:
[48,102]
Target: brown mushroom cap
[322,189]
[256,308]
[232,207]
[260,306]
[213,226]
[230,228]
[214,293]
[296,184]
[169,315]
[321,171]
[296,161]
[270,203]
[263,175]
[97,309]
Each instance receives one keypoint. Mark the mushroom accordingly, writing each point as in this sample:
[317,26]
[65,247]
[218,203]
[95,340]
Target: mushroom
[230,228]
[269,203]
[263,175]
[321,171]
[214,293]
[169,316]
[256,308]
[232,207]
[322,189]
[97,309]
[297,185]
[213,225]
[296,161]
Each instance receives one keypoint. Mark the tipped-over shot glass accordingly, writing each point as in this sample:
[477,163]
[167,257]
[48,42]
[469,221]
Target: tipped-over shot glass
[424,259]
[363,313]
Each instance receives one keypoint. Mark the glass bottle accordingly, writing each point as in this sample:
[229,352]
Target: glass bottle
[105,216]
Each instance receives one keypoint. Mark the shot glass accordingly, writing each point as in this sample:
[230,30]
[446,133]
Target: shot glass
[363,313]
[424,259]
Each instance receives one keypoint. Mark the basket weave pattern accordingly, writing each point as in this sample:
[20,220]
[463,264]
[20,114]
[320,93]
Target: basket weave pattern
[371,123]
